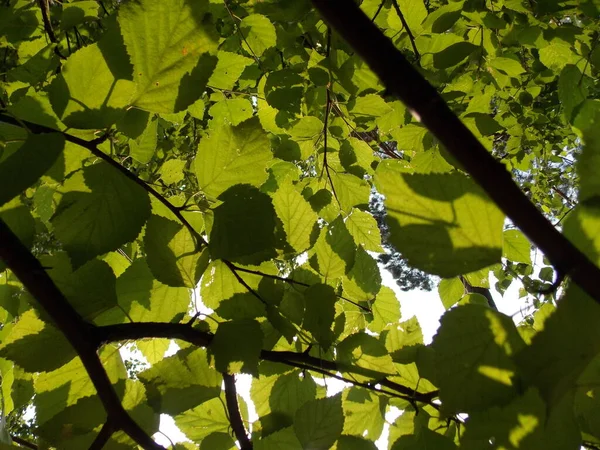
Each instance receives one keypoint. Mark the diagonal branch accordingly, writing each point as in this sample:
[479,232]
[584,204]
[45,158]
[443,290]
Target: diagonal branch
[78,332]
[235,418]
[403,80]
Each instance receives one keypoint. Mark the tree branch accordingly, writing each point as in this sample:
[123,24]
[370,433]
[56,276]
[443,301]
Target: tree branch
[401,79]
[103,436]
[23,442]
[235,418]
[78,332]
[145,330]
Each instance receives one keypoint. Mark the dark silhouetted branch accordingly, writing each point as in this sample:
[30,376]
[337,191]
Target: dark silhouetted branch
[404,81]
[233,409]
[78,332]
[134,331]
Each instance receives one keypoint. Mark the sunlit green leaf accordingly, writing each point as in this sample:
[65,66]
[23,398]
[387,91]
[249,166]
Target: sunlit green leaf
[169,45]
[443,223]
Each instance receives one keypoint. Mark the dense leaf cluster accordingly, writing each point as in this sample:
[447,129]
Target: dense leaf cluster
[199,172]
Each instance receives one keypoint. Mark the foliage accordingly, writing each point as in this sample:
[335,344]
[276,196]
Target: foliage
[211,173]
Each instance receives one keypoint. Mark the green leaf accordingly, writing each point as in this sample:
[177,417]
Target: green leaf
[365,272]
[232,155]
[25,166]
[306,133]
[248,214]
[169,45]
[20,221]
[74,382]
[91,289]
[154,349]
[296,214]
[558,354]
[145,299]
[386,310]
[370,105]
[228,70]
[557,55]
[453,55]
[444,17]
[173,171]
[284,438]
[290,391]
[516,247]
[571,91]
[424,439]
[218,284]
[89,93]
[172,253]
[414,12]
[362,350]
[26,343]
[231,111]
[442,223]
[319,423]
[586,121]
[354,443]
[363,228]
[319,300]
[103,215]
[205,419]
[473,347]
[451,290]
[236,346]
[581,227]
[142,149]
[364,415]
[350,191]
[259,34]
[78,12]
[181,381]
[507,66]
[335,250]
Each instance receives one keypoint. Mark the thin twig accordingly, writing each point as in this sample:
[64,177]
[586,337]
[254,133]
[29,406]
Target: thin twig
[411,37]
[239,31]
[292,281]
[45,8]
[92,146]
[326,120]
[378,10]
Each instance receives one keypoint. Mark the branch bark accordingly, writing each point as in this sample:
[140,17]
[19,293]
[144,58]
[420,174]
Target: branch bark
[235,418]
[404,81]
[134,331]
[78,332]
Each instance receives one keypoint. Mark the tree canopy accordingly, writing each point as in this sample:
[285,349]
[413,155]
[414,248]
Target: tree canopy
[208,176]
